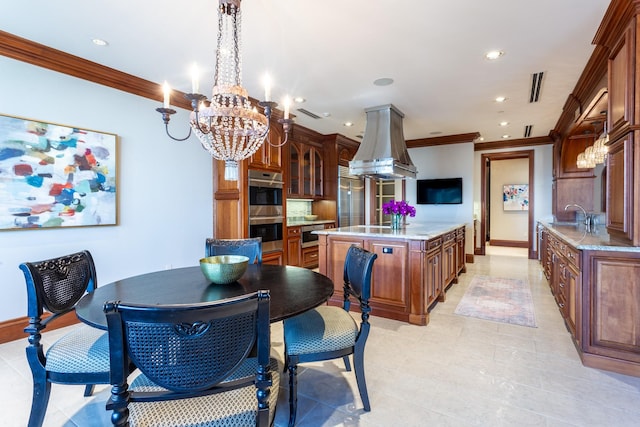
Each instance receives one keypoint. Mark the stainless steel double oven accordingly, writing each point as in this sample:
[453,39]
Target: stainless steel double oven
[265,208]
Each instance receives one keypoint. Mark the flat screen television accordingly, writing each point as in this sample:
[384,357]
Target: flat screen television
[444,191]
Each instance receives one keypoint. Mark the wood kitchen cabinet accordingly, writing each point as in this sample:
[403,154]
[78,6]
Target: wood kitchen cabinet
[597,294]
[461,266]
[310,257]
[408,274]
[306,171]
[619,188]
[269,155]
[449,273]
[294,242]
[433,270]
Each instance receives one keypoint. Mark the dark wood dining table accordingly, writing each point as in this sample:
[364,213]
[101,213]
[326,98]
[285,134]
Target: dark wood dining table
[293,290]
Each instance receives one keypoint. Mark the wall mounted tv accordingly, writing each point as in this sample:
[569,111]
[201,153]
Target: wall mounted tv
[445,191]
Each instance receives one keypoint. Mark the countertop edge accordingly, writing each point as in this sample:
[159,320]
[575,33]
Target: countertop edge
[411,232]
[581,239]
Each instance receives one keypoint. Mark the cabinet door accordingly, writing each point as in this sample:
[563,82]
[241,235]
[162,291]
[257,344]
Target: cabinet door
[294,237]
[620,188]
[269,155]
[295,157]
[318,183]
[390,277]
[307,171]
[432,277]
[572,282]
[310,257]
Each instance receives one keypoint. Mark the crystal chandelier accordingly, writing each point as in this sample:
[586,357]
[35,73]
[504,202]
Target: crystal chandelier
[226,125]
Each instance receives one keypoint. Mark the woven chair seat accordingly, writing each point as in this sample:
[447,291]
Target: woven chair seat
[85,349]
[322,329]
[215,410]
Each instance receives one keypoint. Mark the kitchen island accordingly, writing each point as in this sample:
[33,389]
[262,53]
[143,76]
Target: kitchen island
[595,279]
[415,265]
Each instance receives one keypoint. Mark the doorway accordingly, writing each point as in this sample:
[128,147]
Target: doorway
[485,196]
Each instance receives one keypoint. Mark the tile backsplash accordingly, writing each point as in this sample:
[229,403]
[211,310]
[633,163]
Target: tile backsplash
[298,208]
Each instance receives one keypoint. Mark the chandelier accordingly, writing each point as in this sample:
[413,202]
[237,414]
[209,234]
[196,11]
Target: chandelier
[228,127]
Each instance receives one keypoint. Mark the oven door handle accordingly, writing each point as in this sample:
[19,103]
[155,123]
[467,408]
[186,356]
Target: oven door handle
[266,220]
[265,183]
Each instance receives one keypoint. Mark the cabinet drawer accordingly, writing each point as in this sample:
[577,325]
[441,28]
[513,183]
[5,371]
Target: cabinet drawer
[434,244]
[573,256]
[293,231]
[310,257]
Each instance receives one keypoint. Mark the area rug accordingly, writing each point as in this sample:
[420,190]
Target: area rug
[498,299]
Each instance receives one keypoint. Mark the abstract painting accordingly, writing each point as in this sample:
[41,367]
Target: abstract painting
[515,197]
[54,175]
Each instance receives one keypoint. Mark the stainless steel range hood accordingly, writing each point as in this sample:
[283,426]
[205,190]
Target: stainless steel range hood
[383,151]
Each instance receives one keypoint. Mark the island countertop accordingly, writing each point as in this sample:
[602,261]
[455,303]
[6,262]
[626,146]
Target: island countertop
[413,231]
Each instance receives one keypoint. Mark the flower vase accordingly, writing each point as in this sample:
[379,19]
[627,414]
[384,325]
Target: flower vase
[396,221]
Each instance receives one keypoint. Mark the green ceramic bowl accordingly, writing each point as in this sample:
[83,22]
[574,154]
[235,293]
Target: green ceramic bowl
[223,269]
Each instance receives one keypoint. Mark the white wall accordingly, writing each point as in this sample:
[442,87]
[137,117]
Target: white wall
[445,161]
[164,187]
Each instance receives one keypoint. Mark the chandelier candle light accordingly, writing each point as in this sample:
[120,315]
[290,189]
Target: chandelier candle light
[398,211]
[226,125]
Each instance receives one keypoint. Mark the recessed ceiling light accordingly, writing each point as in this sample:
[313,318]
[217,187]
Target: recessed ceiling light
[504,123]
[435,132]
[299,99]
[501,99]
[493,54]
[326,114]
[481,138]
[506,136]
[100,42]
[384,81]
[348,124]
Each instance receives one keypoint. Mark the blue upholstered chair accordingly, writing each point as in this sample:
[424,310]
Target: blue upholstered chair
[251,248]
[195,363]
[328,332]
[81,356]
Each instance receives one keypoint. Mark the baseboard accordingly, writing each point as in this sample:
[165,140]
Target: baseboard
[509,243]
[13,329]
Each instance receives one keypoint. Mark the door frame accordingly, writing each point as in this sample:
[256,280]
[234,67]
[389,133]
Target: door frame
[524,154]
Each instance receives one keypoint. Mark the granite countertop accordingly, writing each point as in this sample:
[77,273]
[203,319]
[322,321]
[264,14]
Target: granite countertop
[576,234]
[296,223]
[410,231]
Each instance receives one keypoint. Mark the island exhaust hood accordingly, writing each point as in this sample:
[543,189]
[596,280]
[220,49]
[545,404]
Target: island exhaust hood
[383,151]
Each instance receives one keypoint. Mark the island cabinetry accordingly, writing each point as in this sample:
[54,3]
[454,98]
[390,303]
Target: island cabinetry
[449,261]
[408,275]
[433,274]
[460,255]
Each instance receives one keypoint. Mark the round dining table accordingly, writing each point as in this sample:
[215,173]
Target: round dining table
[293,290]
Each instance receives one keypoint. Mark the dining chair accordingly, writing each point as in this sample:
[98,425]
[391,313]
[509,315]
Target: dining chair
[251,248]
[329,332]
[195,361]
[79,357]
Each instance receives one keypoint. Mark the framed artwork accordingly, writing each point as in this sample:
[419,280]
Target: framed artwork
[55,175]
[515,197]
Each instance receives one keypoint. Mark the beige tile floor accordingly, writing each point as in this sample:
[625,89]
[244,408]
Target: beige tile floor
[457,371]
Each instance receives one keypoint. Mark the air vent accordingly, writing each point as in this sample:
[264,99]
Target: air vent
[527,131]
[536,85]
[309,113]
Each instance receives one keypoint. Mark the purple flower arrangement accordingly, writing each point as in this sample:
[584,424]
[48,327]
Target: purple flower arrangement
[398,208]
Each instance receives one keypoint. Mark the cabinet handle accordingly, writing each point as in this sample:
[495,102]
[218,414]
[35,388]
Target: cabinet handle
[561,305]
[561,285]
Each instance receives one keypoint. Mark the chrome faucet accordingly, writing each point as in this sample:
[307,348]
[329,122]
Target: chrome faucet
[588,219]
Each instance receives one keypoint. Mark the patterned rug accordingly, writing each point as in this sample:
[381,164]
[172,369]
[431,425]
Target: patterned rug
[498,299]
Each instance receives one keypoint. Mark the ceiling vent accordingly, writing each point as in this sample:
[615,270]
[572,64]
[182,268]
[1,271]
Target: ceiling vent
[309,113]
[536,85]
[527,131]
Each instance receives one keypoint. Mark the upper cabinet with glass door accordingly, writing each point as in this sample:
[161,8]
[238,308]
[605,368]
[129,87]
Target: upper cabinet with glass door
[305,171]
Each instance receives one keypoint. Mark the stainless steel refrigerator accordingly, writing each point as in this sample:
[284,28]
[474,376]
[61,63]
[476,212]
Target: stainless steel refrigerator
[350,198]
